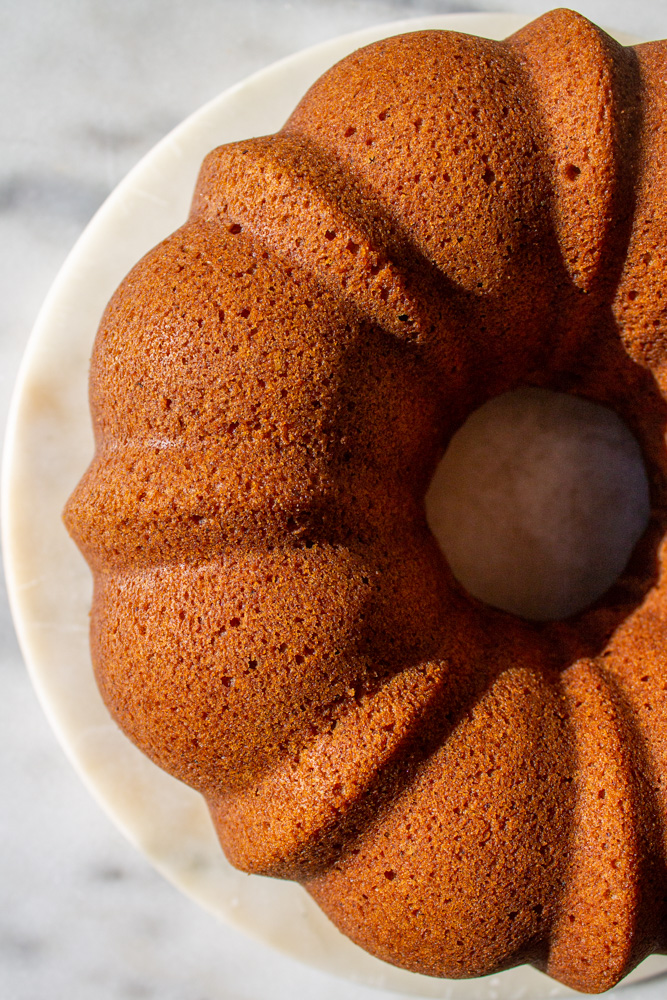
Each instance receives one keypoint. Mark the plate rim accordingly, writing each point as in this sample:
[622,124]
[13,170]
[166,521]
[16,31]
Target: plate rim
[43,329]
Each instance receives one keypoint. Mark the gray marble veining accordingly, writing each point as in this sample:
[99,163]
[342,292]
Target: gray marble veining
[87,88]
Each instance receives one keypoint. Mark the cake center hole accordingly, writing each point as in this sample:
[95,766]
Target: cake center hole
[538,502]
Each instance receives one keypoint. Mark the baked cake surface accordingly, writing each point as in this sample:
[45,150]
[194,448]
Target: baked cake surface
[442,219]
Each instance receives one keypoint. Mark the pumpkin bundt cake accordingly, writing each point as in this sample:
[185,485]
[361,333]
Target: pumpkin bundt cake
[443,219]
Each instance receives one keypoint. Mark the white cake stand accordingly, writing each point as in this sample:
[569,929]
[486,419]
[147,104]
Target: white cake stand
[49,444]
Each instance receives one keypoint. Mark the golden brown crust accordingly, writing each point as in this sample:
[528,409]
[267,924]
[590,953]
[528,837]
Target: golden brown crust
[443,218]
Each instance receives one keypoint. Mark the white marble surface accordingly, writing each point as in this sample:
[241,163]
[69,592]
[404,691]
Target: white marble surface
[88,88]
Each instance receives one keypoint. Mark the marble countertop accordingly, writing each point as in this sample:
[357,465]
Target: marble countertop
[88,88]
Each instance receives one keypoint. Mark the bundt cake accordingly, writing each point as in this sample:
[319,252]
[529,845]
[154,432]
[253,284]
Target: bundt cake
[442,219]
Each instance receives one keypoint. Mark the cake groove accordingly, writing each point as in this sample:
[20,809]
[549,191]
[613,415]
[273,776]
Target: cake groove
[441,220]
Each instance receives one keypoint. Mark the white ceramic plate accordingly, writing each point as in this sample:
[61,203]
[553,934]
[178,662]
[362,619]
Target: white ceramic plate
[49,444]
